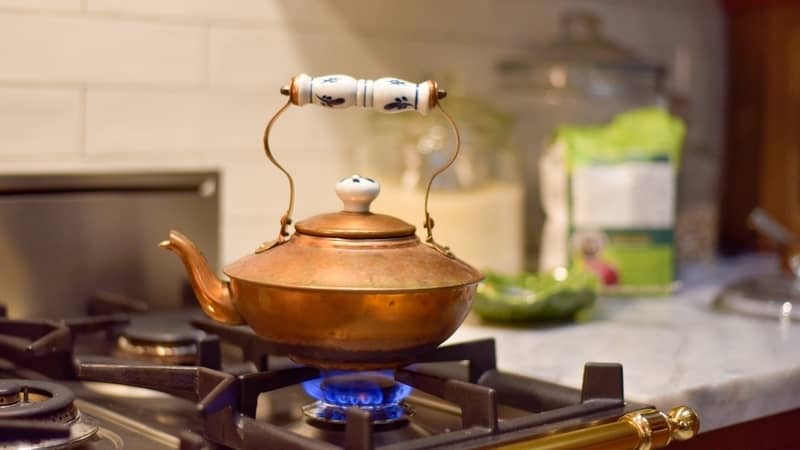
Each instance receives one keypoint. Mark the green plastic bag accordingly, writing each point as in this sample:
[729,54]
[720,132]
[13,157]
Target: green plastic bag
[609,195]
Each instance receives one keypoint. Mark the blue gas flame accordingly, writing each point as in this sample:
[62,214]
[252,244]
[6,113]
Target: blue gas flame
[343,389]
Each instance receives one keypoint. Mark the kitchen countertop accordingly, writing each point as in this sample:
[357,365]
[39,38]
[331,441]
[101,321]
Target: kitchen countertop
[674,350]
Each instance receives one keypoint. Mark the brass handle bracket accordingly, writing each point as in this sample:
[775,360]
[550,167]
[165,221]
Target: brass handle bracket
[428,219]
[430,242]
[283,235]
[286,219]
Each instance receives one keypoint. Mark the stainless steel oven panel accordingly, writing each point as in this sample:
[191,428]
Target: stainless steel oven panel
[62,237]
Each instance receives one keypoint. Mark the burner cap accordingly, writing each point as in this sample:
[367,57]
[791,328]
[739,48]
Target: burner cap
[165,338]
[37,400]
[24,401]
[376,392]
[9,393]
[162,329]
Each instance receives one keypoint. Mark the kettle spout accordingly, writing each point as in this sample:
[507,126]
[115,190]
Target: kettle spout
[213,294]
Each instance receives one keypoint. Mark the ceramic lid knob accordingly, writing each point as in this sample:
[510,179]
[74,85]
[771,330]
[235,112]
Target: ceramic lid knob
[357,192]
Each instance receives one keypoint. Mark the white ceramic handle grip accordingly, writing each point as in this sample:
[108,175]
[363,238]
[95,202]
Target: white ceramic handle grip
[388,95]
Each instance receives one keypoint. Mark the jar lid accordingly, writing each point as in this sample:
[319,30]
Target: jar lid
[582,57]
[355,221]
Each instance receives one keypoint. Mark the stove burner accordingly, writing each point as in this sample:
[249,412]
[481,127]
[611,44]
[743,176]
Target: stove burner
[36,400]
[375,392]
[166,353]
[167,339]
[9,394]
[27,402]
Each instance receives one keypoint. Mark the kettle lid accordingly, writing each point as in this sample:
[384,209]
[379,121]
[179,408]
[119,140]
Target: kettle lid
[355,221]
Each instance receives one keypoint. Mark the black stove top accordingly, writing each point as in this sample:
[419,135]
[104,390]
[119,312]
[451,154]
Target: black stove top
[135,379]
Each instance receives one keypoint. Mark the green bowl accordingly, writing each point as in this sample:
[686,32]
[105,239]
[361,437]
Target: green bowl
[535,297]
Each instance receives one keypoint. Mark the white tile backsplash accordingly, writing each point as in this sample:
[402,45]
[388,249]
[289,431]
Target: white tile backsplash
[116,85]
[40,121]
[213,11]
[43,5]
[264,59]
[80,49]
[189,122]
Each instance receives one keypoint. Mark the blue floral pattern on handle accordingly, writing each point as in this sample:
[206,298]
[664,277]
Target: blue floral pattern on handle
[330,102]
[399,103]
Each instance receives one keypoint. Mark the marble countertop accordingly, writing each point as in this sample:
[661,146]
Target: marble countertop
[674,350]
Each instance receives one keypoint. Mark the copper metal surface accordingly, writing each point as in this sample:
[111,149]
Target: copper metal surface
[213,294]
[376,265]
[354,330]
[434,94]
[343,303]
[355,225]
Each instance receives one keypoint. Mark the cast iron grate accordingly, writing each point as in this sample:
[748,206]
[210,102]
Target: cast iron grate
[227,403]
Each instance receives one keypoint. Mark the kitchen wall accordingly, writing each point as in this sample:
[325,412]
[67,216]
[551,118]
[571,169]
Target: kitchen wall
[115,85]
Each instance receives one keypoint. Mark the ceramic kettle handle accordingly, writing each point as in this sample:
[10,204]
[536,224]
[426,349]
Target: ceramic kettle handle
[388,95]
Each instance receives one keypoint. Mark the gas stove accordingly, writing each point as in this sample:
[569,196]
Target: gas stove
[123,377]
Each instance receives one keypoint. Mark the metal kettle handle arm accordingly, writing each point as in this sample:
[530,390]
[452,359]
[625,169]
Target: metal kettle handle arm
[388,95]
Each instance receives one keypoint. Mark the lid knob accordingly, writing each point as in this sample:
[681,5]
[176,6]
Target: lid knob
[357,192]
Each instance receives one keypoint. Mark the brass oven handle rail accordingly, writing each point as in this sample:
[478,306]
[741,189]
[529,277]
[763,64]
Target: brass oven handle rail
[388,95]
[646,429]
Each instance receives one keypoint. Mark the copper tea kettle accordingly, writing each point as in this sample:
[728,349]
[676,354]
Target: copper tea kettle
[351,289]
